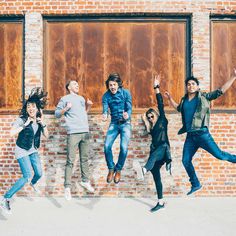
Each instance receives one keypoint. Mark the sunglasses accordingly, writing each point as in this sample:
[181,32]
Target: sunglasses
[150,117]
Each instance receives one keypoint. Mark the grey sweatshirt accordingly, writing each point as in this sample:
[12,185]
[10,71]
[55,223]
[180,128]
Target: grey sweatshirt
[76,117]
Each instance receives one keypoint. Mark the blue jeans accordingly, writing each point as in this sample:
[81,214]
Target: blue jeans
[25,166]
[201,139]
[125,133]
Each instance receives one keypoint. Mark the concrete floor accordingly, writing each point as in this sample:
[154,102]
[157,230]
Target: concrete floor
[119,216]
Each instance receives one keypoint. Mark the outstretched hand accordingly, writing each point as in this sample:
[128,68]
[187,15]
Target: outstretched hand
[125,115]
[89,102]
[167,95]
[157,80]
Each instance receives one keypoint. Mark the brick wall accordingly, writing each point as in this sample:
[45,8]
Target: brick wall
[217,177]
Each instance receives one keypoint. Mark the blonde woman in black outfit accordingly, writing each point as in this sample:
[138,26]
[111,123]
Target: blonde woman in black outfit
[156,125]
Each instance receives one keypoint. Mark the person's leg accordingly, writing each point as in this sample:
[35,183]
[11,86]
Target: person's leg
[207,143]
[159,188]
[112,134]
[36,165]
[125,134]
[84,165]
[190,148]
[72,145]
[83,154]
[25,166]
[157,179]
[155,155]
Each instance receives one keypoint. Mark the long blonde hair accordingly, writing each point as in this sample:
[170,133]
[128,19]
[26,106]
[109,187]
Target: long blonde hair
[145,119]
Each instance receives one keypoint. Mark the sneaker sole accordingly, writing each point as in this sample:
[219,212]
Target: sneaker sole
[87,189]
[138,170]
[5,210]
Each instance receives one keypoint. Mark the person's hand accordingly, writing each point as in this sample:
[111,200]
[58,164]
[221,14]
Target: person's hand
[89,102]
[234,70]
[68,106]
[167,95]
[28,121]
[39,120]
[157,80]
[104,117]
[125,115]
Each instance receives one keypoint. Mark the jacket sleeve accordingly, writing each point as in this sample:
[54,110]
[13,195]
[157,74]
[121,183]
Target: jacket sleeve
[128,103]
[104,104]
[179,107]
[213,95]
[160,104]
[61,105]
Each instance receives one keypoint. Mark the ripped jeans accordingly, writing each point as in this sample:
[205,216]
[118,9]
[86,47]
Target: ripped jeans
[25,166]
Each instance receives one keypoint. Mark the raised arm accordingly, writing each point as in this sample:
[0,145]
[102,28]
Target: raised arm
[172,102]
[217,93]
[160,104]
[228,84]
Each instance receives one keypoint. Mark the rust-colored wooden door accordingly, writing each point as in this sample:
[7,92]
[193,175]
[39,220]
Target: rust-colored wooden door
[11,34]
[90,51]
[223,60]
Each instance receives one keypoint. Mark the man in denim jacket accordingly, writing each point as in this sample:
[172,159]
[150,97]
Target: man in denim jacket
[118,102]
[195,111]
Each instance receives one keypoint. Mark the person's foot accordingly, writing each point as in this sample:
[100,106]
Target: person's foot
[87,186]
[158,207]
[194,189]
[110,176]
[117,177]
[67,194]
[139,170]
[5,205]
[36,190]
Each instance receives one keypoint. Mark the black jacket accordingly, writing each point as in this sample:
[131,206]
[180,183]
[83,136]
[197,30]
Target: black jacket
[26,137]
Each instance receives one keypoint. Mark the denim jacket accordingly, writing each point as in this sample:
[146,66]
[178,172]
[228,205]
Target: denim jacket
[117,103]
[201,117]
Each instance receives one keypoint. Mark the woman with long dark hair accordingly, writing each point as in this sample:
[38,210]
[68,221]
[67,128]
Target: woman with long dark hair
[156,125]
[29,126]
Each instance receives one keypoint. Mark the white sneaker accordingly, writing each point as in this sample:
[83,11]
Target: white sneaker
[139,170]
[36,190]
[5,205]
[67,194]
[87,186]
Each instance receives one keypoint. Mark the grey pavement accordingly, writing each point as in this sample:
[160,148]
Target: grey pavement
[119,216]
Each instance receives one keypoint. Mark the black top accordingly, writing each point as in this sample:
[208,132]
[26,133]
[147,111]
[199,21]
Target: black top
[159,131]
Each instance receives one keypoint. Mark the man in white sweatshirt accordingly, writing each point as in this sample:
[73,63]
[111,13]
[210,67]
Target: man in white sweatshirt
[75,108]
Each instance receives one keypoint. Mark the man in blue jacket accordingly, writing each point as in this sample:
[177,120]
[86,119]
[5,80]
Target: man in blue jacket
[118,102]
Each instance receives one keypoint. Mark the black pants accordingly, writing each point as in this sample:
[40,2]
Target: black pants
[157,178]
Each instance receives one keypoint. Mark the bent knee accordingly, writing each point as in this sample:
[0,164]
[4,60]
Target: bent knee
[186,162]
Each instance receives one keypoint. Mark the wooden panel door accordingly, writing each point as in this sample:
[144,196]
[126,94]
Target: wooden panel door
[10,65]
[89,51]
[223,60]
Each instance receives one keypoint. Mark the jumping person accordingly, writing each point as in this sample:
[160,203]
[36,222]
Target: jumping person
[119,101]
[29,127]
[74,108]
[156,125]
[195,111]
